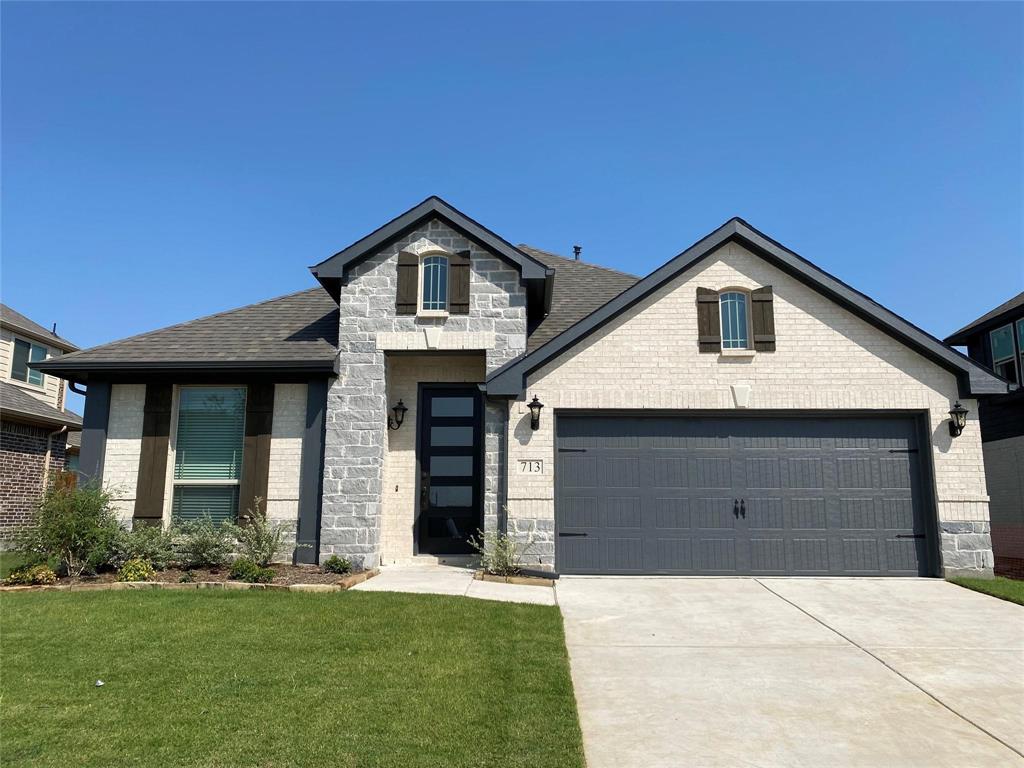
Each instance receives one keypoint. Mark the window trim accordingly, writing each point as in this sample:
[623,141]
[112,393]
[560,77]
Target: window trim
[170,481]
[737,351]
[1016,355]
[420,310]
[41,386]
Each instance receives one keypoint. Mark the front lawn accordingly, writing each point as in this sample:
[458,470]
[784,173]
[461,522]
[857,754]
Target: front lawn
[1006,589]
[269,679]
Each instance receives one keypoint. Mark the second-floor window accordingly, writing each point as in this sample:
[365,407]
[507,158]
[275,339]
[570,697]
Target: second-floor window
[1005,355]
[25,353]
[735,328]
[434,284]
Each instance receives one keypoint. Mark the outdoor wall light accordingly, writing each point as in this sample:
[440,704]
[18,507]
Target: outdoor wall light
[957,419]
[535,407]
[399,410]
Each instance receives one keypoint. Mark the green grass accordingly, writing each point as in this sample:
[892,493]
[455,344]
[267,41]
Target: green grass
[9,561]
[268,679]
[1005,589]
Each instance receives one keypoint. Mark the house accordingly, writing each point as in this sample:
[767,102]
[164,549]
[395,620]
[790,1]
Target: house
[35,425]
[996,340]
[736,411]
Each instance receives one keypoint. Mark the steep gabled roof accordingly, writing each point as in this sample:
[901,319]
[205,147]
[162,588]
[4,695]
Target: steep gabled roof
[297,332]
[18,405]
[579,288]
[960,337]
[18,322]
[974,379]
[331,272]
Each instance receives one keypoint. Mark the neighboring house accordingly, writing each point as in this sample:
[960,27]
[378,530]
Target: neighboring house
[996,340]
[34,423]
[737,411]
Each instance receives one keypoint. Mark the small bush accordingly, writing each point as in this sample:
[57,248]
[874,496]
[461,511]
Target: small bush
[31,574]
[246,569]
[135,569]
[143,542]
[335,564]
[259,540]
[76,527]
[202,543]
[187,578]
[500,554]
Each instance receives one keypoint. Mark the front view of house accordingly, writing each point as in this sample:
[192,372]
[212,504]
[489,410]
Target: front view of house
[737,411]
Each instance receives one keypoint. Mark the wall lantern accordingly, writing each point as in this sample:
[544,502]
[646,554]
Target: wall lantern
[535,407]
[957,419]
[399,410]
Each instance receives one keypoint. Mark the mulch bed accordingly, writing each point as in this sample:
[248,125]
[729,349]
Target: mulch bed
[284,574]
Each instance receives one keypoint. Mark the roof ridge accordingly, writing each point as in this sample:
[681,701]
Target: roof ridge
[576,261]
[222,313]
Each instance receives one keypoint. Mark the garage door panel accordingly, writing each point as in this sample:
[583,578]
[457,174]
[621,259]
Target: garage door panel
[662,495]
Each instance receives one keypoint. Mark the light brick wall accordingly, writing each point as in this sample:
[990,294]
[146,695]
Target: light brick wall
[357,402]
[289,427]
[400,503]
[124,445]
[826,358]
[1004,471]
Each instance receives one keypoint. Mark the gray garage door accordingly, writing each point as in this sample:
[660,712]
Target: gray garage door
[722,496]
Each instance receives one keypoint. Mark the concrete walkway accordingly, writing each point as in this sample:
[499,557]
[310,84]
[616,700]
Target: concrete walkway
[450,580]
[801,673]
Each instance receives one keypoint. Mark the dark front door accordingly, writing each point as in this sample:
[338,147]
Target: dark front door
[450,469]
[729,495]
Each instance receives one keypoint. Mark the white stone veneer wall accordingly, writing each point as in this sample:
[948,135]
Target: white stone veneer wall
[357,402]
[287,431]
[124,445]
[826,358]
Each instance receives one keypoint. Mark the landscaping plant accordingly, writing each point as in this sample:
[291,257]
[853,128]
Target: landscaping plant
[31,575]
[135,569]
[246,569]
[335,564]
[500,554]
[75,527]
[202,543]
[143,542]
[258,539]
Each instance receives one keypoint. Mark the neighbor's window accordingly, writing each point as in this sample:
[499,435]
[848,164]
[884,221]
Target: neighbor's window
[735,333]
[1020,349]
[25,353]
[1004,353]
[434,283]
[208,452]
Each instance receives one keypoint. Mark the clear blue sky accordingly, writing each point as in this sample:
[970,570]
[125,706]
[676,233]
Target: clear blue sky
[165,161]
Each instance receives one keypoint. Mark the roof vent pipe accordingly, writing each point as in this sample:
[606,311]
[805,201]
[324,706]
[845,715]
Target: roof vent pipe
[576,251]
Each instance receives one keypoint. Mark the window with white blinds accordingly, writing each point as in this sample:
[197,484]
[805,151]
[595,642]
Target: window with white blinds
[208,452]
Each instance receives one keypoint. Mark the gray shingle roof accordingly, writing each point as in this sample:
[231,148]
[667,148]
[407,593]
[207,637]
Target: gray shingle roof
[19,322]
[579,289]
[19,405]
[298,328]
[75,440]
[960,337]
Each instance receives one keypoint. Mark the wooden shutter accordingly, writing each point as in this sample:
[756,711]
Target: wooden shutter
[406,299]
[709,329]
[259,422]
[156,430]
[458,283]
[763,319]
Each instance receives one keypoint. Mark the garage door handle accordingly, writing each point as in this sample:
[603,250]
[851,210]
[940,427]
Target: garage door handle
[909,535]
[572,534]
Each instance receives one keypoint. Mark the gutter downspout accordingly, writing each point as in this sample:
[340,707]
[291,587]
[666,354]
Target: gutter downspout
[49,451]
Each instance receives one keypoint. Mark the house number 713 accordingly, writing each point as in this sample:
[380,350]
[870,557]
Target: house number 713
[531,466]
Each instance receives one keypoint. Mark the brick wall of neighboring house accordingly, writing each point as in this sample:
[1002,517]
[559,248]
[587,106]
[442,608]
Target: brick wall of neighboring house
[22,462]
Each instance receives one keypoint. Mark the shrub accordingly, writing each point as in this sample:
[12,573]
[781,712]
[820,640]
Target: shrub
[143,542]
[335,564]
[500,554]
[135,569]
[259,540]
[31,574]
[187,578]
[74,526]
[246,569]
[202,543]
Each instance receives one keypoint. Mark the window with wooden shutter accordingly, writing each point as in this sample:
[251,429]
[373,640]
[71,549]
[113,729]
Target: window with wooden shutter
[762,318]
[406,298]
[709,331]
[458,283]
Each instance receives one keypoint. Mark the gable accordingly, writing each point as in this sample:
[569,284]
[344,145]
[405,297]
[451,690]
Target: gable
[972,379]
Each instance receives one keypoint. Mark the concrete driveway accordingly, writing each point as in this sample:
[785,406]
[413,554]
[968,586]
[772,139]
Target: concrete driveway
[815,673]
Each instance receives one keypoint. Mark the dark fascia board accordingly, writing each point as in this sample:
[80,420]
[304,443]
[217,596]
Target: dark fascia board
[182,369]
[973,379]
[57,343]
[331,272]
[962,337]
